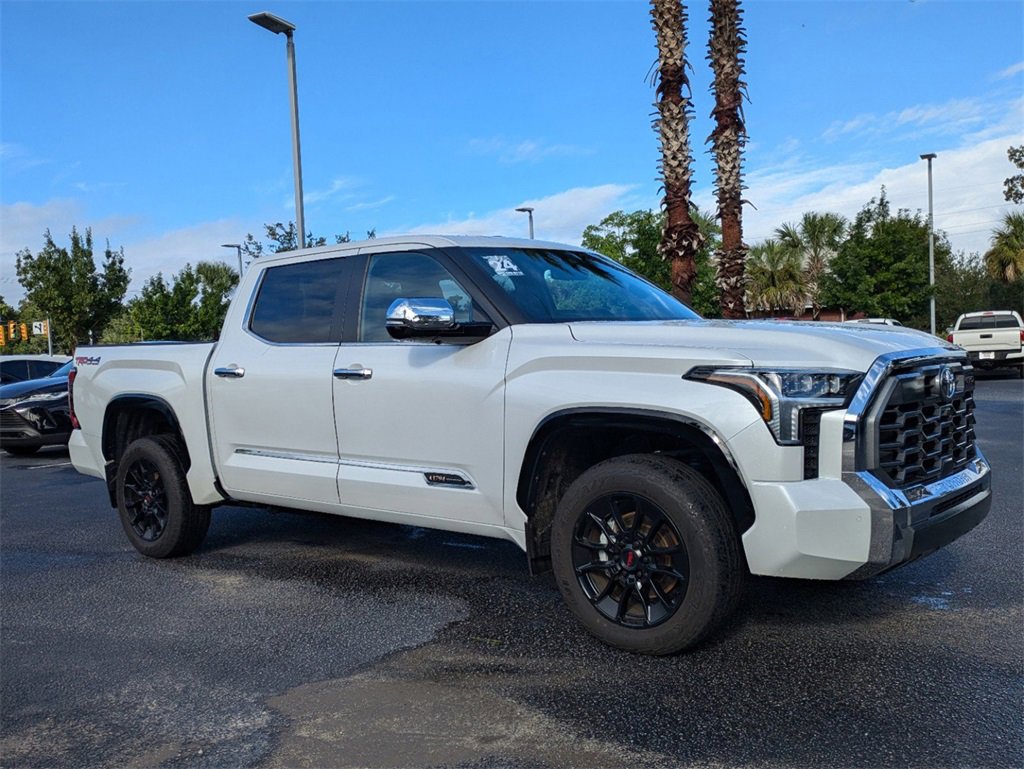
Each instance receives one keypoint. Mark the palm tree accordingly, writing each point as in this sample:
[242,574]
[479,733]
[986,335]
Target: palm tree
[725,52]
[680,238]
[816,240]
[1005,259]
[775,279]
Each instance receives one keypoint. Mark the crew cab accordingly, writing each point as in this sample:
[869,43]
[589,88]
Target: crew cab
[992,338]
[544,394]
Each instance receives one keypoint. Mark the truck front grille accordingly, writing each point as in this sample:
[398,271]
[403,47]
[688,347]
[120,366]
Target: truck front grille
[923,435]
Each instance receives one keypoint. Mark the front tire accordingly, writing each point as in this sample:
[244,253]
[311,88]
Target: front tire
[646,554]
[154,502]
[22,451]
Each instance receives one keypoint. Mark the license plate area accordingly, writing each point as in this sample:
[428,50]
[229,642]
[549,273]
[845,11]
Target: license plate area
[986,355]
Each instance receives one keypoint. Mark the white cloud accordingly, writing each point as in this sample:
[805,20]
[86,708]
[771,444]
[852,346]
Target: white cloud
[1010,71]
[170,251]
[17,158]
[22,225]
[953,116]
[370,204]
[561,217]
[967,183]
[336,187]
[525,151]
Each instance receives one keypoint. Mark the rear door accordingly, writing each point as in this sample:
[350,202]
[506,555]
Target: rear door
[270,387]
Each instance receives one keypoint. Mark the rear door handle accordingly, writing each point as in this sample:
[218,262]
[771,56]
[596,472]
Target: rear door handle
[231,372]
[353,373]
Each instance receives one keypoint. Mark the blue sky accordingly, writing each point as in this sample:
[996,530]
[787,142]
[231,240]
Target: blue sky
[164,126]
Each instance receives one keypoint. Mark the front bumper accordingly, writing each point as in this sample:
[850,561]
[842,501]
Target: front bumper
[855,528]
[852,522]
[32,427]
[905,529]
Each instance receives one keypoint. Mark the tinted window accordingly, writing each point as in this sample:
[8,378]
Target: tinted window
[13,370]
[41,368]
[988,321]
[409,276]
[559,286]
[296,302]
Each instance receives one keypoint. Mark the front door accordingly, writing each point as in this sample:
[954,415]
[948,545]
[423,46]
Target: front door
[420,424]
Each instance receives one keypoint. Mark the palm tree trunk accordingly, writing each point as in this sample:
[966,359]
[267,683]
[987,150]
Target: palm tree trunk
[680,239]
[725,50]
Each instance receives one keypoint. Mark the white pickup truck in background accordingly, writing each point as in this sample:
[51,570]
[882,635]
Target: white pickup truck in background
[993,339]
[544,394]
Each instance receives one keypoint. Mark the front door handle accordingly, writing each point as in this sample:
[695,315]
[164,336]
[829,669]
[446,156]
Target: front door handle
[353,373]
[231,372]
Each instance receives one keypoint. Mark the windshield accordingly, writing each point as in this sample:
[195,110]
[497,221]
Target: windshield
[560,286]
[65,369]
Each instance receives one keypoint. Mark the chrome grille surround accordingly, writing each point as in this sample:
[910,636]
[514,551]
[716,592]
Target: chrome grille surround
[896,509]
[903,430]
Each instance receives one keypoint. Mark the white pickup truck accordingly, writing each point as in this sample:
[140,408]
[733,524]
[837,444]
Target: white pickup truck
[544,394]
[993,338]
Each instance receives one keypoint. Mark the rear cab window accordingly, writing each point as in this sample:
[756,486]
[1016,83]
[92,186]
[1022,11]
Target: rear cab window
[296,303]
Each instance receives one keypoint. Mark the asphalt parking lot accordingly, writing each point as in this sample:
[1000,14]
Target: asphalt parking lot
[293,640]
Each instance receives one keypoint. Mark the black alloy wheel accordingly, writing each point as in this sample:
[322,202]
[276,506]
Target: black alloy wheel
[630,560]
[154,501]
[145,500]
[646,554]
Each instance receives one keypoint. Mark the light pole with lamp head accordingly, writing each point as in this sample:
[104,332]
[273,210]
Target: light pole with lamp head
[931,241]
[529,212]
[277,25]
[238,247]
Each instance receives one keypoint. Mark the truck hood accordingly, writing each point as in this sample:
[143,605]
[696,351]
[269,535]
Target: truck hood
[801,344]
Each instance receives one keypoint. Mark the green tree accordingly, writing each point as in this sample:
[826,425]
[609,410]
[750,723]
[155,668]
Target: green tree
[725,52]
[192,306]
[1005,259]
[632,239]
[1013,187]
[962,285]
[816,239]
[775,278]
[681,237]
[122,329]
[285,237]
[882,266]
[64,285]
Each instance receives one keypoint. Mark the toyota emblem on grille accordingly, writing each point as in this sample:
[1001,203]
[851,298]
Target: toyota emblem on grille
[947,383]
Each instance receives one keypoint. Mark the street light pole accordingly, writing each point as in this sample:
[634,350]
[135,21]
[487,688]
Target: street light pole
[238,247]
[529,212]
[277,25]
[931,241]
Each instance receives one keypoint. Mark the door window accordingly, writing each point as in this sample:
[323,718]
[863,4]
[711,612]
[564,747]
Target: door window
[409,276]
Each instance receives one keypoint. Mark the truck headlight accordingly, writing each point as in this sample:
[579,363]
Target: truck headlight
[779,395]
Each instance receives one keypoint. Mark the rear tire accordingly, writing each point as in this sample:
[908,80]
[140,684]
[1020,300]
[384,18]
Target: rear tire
[154,502]
[646,554]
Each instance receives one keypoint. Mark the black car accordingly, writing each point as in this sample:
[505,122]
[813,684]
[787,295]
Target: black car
[35,413]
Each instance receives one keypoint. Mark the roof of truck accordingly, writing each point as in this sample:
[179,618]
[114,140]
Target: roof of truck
[407,242]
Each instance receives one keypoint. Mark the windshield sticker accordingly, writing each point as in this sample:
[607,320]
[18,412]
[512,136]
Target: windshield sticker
[503,266]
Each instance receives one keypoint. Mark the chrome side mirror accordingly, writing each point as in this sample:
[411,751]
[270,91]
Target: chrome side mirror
[419,317]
